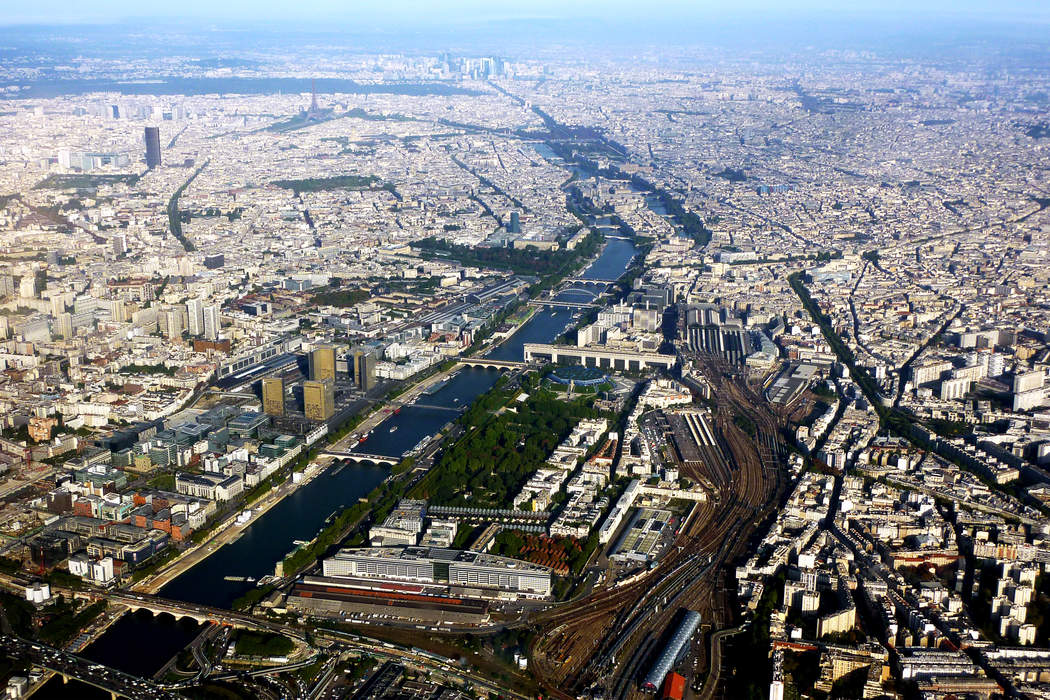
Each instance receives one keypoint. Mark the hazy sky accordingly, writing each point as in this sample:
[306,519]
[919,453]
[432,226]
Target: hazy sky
[392,13]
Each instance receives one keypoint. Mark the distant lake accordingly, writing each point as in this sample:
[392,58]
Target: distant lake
[232,86]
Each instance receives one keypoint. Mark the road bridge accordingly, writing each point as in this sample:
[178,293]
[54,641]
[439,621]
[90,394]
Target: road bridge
[565,304]
[201,613]
[117,683]
[490,364]
[361,457]
[589,280]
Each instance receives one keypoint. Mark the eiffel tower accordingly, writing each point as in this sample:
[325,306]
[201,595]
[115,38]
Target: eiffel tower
[315,110]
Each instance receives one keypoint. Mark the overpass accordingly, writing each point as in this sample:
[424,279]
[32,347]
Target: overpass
[361,457]
[268,671]
[117,683]
[598,356]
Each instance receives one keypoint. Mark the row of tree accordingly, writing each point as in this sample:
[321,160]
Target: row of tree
[501,450]
[528,261]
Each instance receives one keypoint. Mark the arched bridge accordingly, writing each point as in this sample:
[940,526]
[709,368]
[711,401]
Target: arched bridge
[361,457]
[201,613]
[490,364]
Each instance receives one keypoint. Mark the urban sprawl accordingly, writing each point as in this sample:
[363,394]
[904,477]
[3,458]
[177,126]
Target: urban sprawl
[720,379]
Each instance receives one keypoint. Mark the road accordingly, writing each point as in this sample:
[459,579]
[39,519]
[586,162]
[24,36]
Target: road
[715,665]
[71,665]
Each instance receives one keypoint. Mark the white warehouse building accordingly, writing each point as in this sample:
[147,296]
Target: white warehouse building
[433,565]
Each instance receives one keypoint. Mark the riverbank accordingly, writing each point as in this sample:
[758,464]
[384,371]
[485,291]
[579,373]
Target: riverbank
[228,531]
[239,560]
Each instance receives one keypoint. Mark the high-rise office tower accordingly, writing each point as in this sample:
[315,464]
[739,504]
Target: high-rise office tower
[273,396]
[118,312]
[211,322]
[173,323]
[364,370]
[322,363]
[152,146]
[195,317]
[319,399]
[119,243]
[65,325]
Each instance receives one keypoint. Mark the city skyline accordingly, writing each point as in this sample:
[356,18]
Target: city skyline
[585,350]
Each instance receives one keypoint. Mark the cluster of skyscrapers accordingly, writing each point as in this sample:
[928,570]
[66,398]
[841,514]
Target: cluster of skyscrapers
[319,388]
[202,320]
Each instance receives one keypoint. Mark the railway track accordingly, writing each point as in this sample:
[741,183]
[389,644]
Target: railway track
[603,639]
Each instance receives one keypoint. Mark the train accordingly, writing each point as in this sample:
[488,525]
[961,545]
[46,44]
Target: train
[672,653]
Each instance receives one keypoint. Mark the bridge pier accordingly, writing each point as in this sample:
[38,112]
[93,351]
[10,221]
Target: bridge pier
[65,678]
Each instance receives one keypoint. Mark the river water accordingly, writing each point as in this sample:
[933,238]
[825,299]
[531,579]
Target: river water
[138,643]
[302,514]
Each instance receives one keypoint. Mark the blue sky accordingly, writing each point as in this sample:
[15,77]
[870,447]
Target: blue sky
[415,13]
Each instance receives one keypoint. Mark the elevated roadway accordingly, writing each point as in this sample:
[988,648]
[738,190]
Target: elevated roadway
[67,665]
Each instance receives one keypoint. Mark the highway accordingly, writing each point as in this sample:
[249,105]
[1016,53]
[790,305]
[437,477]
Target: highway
[386,651]
[72,666]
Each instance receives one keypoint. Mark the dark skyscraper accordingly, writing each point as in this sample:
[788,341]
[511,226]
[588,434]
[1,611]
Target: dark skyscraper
[364,370]
[152,147]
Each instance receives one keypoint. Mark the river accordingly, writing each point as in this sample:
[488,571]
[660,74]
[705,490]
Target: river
[302,514]
[298,517]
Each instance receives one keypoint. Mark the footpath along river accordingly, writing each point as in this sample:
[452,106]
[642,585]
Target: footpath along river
[233,569]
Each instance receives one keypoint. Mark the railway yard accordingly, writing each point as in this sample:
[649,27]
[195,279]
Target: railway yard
[604,642]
